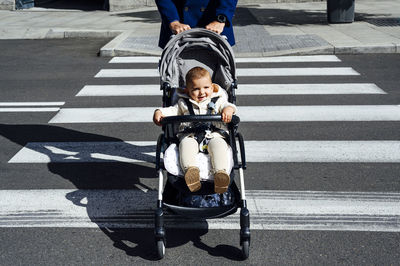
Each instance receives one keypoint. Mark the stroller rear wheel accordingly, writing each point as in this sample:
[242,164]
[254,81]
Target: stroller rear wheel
[160,249]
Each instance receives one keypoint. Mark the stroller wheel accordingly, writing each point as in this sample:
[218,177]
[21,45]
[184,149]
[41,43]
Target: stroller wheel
[245,249]
[160,249]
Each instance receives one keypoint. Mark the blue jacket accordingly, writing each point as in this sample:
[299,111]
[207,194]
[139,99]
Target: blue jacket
[195,13]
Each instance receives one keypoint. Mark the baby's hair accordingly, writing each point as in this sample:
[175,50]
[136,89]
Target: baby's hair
[197,73]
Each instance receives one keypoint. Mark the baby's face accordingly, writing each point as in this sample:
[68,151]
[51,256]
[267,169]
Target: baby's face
[200,89]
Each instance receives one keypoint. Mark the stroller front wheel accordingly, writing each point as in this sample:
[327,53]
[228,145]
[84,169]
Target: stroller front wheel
[160,249]
[245,249]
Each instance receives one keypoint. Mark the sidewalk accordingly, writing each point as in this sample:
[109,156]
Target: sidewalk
[260,29]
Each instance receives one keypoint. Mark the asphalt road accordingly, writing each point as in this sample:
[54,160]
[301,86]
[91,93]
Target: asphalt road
[56,70]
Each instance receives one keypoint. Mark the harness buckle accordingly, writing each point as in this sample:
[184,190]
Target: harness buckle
[203,145]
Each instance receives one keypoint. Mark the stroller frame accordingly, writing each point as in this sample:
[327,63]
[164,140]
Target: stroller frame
[169,136]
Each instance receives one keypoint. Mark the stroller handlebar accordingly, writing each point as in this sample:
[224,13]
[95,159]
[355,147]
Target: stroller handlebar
[197,118]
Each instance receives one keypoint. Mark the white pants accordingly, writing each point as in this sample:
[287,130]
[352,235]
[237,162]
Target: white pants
[217,148]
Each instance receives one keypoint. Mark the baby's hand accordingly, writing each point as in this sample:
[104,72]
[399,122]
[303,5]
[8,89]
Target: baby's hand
[227,113]
[157,117]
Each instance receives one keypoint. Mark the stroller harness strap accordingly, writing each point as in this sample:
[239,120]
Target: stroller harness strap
[210,107]
[201,130]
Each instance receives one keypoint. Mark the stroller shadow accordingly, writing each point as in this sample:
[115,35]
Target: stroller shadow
[87,177]
[176,238]
[136,242]
[226,251]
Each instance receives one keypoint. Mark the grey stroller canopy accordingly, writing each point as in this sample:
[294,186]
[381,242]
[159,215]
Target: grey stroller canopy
[197,47]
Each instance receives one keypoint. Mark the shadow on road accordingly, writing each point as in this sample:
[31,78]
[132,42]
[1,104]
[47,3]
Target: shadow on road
[251,15]
[86,176]
[84,5]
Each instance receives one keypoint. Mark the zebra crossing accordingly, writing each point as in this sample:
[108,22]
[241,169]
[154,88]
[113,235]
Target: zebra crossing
[310,210]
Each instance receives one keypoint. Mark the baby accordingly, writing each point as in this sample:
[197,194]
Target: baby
[199,95]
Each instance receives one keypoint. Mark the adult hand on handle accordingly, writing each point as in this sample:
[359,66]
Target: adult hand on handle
[216,26]
[177,27]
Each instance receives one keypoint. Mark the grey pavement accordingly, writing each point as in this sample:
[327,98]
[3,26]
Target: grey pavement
[262,29]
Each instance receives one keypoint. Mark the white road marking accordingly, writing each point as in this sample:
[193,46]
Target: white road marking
[73,152]
[289,59]
[306,71]
[320,113]
[31,103]
[269,210]
[294,89]
[277,59]
[135,59]
[241,72]
[33,109]
[127,73]
[384,151]
[246,114]
[120,90]
[104,115]
[323,151]
[244,89]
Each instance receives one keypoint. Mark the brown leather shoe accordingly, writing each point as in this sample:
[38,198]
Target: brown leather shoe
[221,181]
[192,178]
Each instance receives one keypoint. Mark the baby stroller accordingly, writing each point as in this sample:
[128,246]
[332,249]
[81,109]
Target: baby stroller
[198,47]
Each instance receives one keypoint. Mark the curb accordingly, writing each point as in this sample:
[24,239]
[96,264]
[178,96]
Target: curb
[111,49]
[368,49]
[56,33]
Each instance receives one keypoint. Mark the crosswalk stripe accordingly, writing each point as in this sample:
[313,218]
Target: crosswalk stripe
[246,114]
[134,59]
[127,73]
[270,210]
[323,151]
[306,71]
[289,59]
[277,59]
[33,109]
[31,103]
[320,113]
[241,72]
[120,90]
[104,115]
[293,89]
[72,152]
[244,89]
[383,151]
